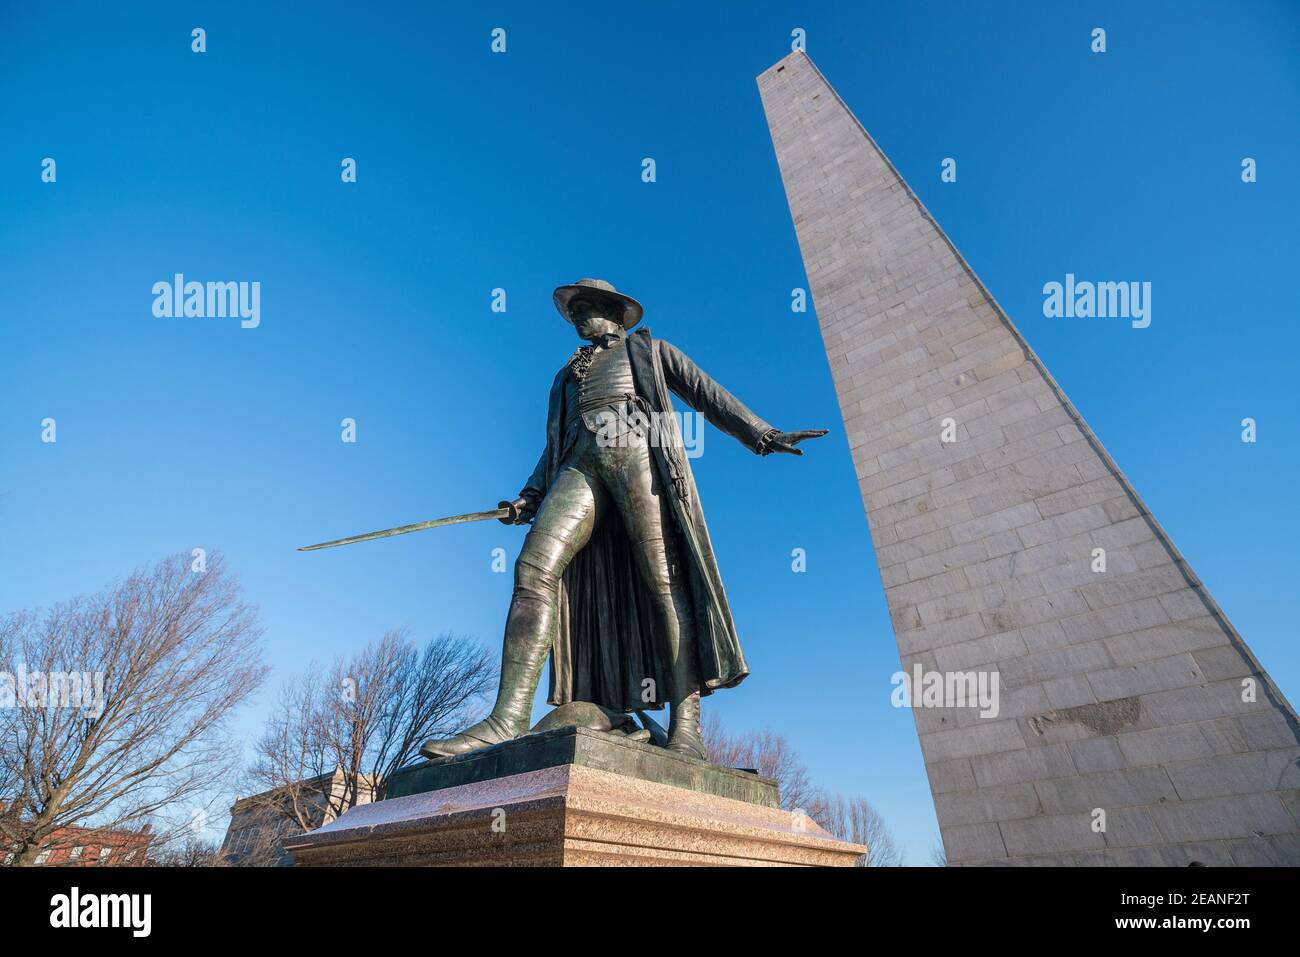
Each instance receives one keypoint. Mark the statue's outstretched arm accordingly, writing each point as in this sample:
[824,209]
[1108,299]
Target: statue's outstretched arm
[699,390]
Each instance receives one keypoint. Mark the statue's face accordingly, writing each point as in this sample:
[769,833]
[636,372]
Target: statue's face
[591,318]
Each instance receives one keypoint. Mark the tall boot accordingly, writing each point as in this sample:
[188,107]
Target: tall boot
[528,638]
[684,729]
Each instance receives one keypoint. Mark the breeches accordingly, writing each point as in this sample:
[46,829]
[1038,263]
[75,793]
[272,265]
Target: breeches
[616,483]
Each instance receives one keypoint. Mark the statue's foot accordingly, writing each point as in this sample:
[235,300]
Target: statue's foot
[684,744]
[491,730]
[684,729]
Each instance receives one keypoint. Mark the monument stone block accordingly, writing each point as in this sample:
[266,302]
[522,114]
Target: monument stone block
[985,544]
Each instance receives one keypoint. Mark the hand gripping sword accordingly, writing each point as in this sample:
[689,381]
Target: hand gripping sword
[505,512]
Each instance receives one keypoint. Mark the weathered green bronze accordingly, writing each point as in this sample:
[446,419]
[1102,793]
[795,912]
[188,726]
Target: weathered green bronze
[617,579]
[578,745]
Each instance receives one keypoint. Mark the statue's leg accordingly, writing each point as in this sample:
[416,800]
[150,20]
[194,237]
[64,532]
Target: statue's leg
[647,517]
[562,527]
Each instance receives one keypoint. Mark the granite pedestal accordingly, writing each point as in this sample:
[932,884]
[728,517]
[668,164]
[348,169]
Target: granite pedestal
[573,797]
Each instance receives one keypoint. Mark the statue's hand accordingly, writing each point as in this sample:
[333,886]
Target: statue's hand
[786,441]
[521,511]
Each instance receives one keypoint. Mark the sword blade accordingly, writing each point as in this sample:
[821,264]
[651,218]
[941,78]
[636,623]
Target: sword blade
[417,527]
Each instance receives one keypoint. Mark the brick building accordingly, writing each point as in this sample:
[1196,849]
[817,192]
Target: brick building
[76,846]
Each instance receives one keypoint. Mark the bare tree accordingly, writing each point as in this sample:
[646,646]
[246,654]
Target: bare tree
[118,701]
[850,819]
[766,752]
[191,851]
[938,855]
[854,819]
[337,735]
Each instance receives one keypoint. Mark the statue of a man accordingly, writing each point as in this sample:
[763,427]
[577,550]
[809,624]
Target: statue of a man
[617,578]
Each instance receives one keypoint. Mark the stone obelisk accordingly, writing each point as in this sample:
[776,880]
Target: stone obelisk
[1134,725]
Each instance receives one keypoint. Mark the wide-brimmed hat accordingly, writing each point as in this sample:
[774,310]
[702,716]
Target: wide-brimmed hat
[627,311]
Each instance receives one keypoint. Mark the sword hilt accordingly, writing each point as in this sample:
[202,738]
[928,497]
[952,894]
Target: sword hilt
[513,510]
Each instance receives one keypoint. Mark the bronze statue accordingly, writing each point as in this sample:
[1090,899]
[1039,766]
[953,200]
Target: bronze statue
[616,578]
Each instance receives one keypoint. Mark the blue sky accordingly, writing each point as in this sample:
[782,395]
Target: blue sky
[522,170]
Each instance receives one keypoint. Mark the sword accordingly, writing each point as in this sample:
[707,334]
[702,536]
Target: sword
[504,512]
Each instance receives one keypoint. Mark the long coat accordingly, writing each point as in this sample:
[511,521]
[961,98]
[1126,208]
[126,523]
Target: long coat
[607,642]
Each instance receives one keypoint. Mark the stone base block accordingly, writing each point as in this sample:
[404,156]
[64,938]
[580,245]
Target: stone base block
[570,815]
